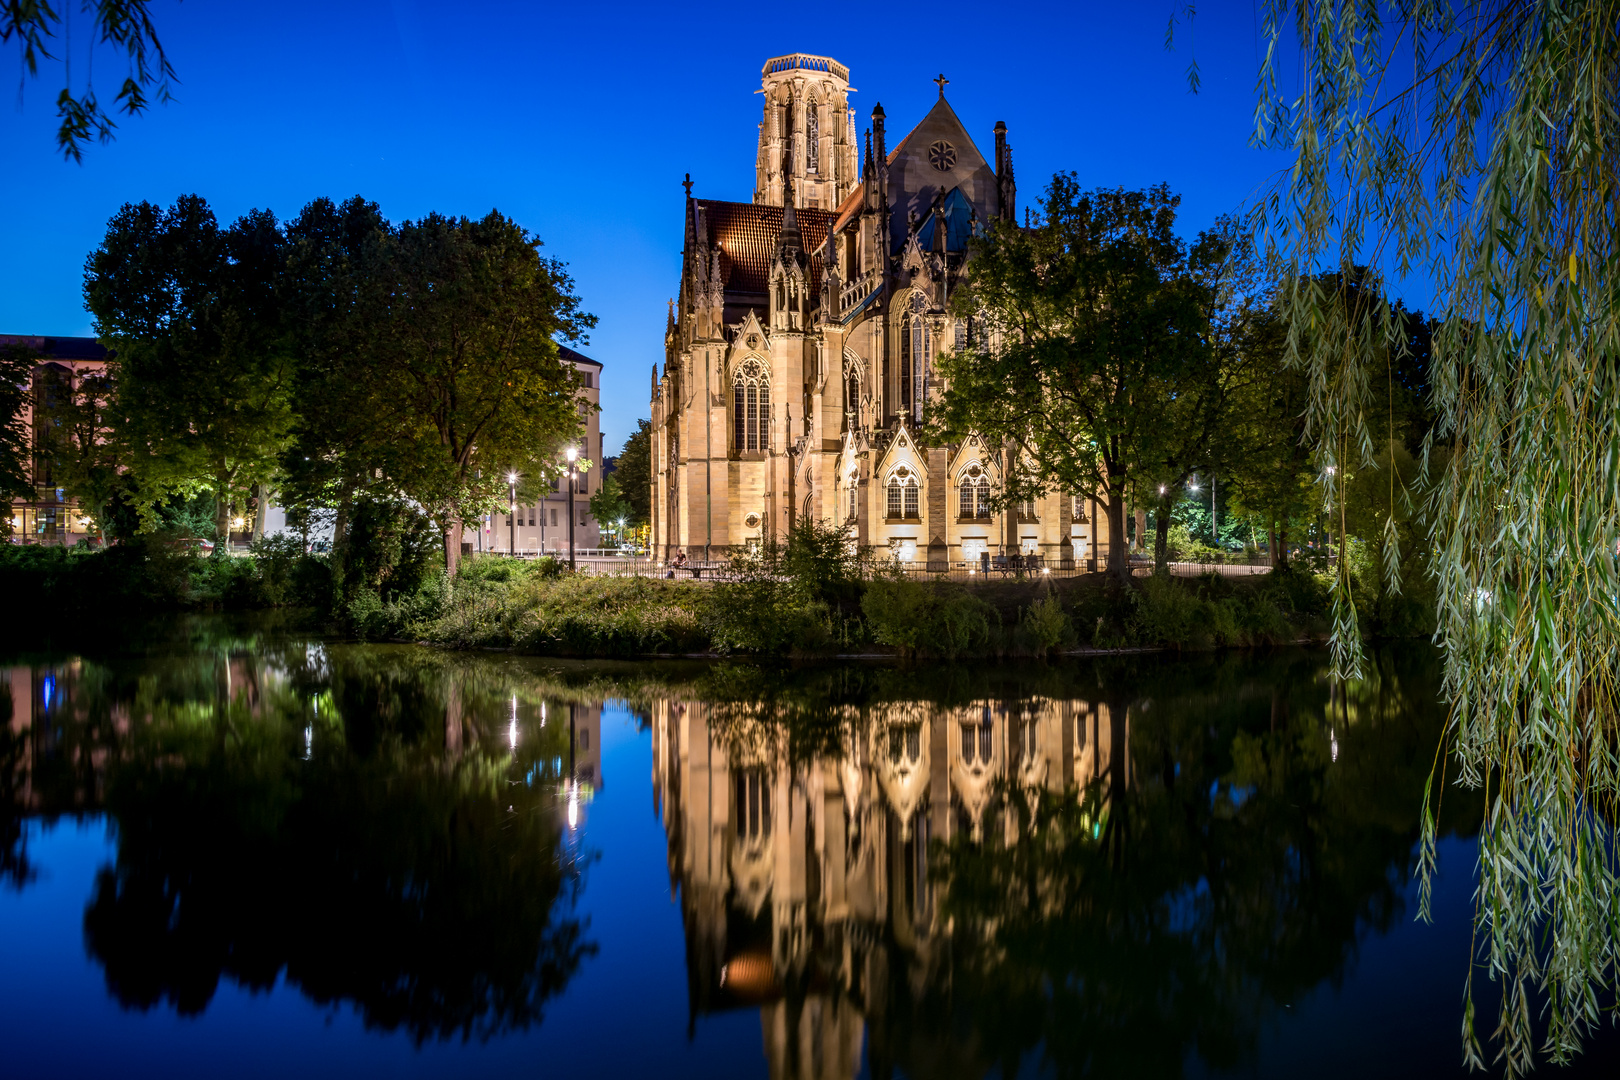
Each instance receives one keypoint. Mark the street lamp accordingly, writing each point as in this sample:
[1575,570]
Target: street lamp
[572,454]
[511,515]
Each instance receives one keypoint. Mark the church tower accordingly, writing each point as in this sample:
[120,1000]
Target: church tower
[808,133]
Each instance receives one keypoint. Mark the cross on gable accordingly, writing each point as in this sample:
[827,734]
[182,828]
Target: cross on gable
[687,184]
[941,80]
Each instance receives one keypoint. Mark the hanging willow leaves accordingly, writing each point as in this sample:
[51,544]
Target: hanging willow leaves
[1476,143]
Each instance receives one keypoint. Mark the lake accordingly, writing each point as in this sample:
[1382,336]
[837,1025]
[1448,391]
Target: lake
[232,847]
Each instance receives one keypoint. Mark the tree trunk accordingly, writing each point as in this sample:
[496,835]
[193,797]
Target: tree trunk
[340,532]
[1161,536]
[452,548]
[1119,556]
[1280,561]
[259,495]
[222,514]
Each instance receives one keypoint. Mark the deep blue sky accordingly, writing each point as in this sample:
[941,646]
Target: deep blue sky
[579,120]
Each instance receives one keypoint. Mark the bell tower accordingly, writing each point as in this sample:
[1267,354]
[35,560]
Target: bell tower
[808,132]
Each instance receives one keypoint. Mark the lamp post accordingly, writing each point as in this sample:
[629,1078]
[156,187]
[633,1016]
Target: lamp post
[511,515]
[572,454]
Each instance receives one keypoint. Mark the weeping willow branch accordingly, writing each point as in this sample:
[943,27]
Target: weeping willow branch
[1477,143]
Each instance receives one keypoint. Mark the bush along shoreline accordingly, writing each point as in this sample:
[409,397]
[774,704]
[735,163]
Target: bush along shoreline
[812,597]
[816,596]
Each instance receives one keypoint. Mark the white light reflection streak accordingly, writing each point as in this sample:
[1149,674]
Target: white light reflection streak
[573,805]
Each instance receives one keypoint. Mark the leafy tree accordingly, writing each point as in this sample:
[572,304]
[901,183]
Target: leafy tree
[1193,434]
[1093,324]
[16,380]
[202,367]
[634,473]
[608,505]
[127,26]
[432,365]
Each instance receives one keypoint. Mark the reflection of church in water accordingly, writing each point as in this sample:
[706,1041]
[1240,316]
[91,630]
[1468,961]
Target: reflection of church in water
[804,885]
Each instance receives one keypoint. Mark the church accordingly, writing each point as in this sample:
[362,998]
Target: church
[799,356]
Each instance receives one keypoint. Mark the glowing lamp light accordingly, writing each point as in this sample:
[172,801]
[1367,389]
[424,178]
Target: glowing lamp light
[1046,569]
[511,478]
[237,523]
[1161,489]
[573,805]
[573,452]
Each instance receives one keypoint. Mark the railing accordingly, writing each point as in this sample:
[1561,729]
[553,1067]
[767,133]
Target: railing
[857,291]
[806,62]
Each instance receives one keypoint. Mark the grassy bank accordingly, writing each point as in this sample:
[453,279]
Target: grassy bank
[806,599]
[535,608]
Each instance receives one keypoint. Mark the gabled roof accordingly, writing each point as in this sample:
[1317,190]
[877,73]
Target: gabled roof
[747,233]
[569,356]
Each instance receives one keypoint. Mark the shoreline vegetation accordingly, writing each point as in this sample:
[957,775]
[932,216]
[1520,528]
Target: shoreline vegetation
[814,597]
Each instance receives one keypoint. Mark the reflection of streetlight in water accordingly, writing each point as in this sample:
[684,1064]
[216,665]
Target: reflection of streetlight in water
[573,804]
[511,728]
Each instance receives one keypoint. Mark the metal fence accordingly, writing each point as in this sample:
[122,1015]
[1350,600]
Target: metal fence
[988,569]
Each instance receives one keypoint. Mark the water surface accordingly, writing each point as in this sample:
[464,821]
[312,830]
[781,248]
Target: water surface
[229,848]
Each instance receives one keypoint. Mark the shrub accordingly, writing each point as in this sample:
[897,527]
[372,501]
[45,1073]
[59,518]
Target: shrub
[932,619]
[1166,613]
[1044,626]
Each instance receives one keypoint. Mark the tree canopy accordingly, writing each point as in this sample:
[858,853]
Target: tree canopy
[1092,328]
[202,361]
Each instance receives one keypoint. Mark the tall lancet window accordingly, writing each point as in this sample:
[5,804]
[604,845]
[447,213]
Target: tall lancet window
[812,138]
[751,407]
[915,373]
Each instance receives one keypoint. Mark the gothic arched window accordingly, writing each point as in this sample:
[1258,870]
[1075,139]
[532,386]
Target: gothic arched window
[914,356]
[751,407]
[901,492]
[974,490]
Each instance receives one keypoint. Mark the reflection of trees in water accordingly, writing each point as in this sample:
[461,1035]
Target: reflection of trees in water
[408,890]
[350,818]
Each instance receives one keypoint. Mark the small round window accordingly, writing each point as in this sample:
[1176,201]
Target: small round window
[752,521]
[942,156]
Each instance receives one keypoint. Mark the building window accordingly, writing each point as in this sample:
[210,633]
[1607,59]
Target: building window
[753,805]
[1026,508]
[588,380]
[902,493]
[914,357]
[812,138]
[1079,509]
[532,511]
[554,519]
[975,493]
[751,405]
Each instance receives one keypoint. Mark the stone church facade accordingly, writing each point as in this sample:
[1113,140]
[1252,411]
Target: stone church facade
[799,356]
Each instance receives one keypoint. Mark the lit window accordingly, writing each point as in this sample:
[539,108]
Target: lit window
[751,407]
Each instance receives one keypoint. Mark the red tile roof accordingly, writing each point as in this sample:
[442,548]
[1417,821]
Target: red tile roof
[747,233]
